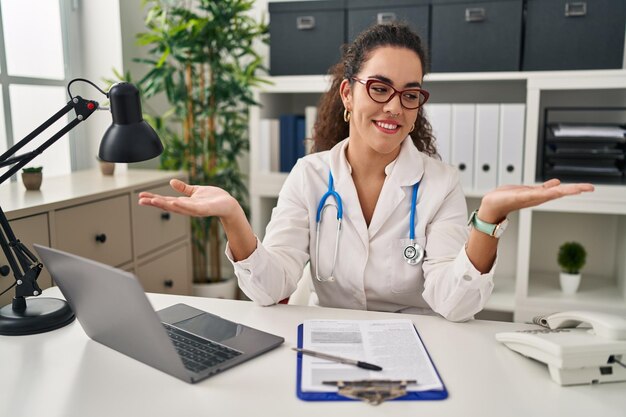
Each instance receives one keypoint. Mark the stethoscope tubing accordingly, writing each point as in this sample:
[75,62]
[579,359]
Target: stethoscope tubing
[412,260]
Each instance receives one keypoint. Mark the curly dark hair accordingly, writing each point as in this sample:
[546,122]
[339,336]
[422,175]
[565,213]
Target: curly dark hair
[330,127]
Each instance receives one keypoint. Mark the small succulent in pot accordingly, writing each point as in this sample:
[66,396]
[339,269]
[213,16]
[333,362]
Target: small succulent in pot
[32,177]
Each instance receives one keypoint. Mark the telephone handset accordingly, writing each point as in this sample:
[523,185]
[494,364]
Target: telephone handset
[575,355]
[603,325]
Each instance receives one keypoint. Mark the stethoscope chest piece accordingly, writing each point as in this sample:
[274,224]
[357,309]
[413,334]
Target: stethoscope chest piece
[413,253]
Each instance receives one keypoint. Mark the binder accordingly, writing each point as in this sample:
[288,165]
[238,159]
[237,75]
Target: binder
[511,143]
[310,116]
[269,147]
[463,118]
[291,127]
[486,158]
[333,396]
[274,144]
[300,137]
[440,118]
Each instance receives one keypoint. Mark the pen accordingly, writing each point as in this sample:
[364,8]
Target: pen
[334,358]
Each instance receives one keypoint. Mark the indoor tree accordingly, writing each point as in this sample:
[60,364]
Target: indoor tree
[202,57]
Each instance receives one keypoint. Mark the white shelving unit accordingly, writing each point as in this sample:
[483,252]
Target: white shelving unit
[526,280]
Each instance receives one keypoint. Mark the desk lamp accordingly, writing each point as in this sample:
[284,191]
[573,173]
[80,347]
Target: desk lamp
[128,139]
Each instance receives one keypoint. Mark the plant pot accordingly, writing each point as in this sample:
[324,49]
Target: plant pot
[569,282]
[107,168]
[32,180]
[226,288]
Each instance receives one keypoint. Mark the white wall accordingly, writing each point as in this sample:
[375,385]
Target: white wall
[98,49]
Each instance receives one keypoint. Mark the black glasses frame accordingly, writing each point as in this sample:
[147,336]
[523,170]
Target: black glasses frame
[367,83]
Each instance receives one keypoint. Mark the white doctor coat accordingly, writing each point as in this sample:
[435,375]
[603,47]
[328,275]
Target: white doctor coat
[371,272]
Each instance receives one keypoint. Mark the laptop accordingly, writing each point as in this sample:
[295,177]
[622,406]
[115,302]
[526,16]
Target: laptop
[180,340]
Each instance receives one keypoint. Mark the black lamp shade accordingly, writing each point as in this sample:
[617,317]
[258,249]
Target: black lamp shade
[129,138]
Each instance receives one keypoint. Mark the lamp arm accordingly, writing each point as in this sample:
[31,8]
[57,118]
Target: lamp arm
[32,135]
[25,266]
[84,109]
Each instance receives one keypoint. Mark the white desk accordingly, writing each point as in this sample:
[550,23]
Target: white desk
[63,373]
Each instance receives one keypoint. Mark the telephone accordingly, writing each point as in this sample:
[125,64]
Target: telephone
[575,355]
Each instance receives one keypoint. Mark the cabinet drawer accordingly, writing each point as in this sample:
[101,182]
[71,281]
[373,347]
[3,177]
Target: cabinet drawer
[476,36]
[100,231]
[28,230]
[153,228]
[169,273]
[574,34]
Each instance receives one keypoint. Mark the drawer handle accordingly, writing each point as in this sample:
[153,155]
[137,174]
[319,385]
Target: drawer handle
[101,238]
[168,283]
[305,22]
[385,17]
[475,14]
[165,215]
[576,9]
[5,270]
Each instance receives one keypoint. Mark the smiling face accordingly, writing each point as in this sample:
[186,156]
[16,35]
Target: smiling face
[380,128]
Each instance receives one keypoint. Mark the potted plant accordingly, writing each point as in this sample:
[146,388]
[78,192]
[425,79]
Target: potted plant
[106,167]
[203,59]
[571,259]
[32,177]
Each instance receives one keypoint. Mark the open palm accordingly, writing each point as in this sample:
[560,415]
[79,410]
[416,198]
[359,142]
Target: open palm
[508,198]
[198,201]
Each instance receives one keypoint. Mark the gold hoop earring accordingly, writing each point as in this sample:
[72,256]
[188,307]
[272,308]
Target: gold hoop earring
[412,128]
[346,115]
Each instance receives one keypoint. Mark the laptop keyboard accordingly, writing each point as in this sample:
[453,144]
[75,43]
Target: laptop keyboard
[197,353]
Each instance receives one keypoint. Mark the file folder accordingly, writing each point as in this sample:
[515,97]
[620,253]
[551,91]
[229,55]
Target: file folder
[334,396]
[440,118]
[511,143]
[463,118]
[486,160]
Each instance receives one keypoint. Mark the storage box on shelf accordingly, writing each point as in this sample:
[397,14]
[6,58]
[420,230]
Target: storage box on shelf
[524,284]
[363,13]
[462,35]
[318,24]
[476,36]
[97,217]
[566,35]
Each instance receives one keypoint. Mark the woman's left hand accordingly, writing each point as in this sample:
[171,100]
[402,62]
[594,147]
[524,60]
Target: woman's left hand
[497,204]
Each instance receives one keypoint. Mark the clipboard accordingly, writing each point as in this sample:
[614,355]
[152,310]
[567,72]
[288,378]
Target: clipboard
[429,395]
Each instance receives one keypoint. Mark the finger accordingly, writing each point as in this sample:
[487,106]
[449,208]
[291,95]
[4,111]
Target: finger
[145,201]
[163,204]
[179,205]
[164,198]
[551,183]
[577,188]
[182,187]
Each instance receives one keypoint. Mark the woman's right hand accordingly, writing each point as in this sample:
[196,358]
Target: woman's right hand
[198,201]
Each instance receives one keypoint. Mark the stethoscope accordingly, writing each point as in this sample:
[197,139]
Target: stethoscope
[413,253]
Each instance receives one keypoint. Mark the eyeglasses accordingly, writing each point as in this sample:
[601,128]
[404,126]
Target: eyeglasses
[382,92]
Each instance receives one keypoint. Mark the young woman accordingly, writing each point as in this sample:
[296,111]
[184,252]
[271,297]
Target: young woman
[404,244]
